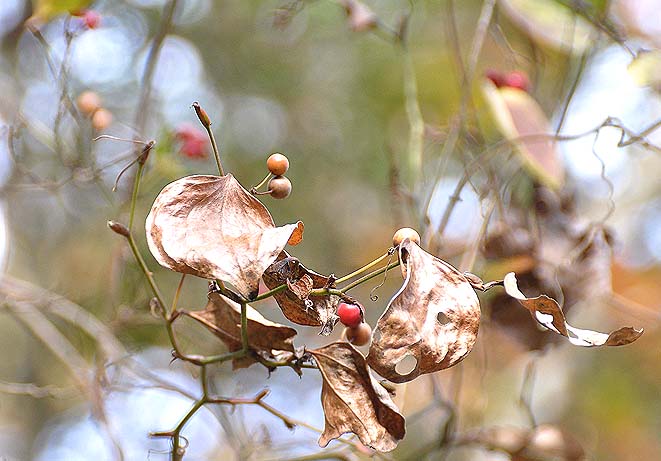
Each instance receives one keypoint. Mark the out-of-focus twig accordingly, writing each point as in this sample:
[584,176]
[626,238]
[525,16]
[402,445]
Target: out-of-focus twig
[37,392]
[25,292]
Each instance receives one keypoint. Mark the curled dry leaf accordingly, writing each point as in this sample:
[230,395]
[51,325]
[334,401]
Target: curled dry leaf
[222,316]
[564,250]
[294,301]
[548,313]
[434,318]
[210,226]
[522,121]
[353,401]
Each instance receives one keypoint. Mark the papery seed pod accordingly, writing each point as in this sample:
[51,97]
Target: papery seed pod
[202,115]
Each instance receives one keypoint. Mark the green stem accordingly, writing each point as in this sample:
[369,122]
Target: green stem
[366,267]
[175,300]
[369,276]
[216,154]
[255,188]
[414,115]
[203,382]
[244,327]
[145,270]
[284,363]
[270,293]
[134,195]
[176,448]
[326,291]
[221,358]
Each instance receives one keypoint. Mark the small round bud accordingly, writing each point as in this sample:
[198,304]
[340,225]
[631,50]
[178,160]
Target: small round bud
[118,228]
[405,233]
[88,102]
[277,164]
[202,115]
[101,119]
[279,187]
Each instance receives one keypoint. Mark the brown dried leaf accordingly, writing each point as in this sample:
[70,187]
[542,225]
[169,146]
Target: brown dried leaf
[434,318]
[313,311]
[353,401]
[563,251]
[210,226]
[548,313]
[301,287]
[222,316]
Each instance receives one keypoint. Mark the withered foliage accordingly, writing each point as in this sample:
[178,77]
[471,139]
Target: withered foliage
[222,316]
[548,313]
[553,251]
[353,401]
[434,317]
[210,226]
[294,301]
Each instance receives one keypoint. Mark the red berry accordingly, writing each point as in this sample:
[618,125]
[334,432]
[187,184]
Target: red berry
[350,315]
[194,141]
[91,19]
[518,80]
[358,335]
[277,164]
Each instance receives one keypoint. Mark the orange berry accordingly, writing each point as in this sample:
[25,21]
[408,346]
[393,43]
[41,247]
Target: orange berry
[277,164]
[101,119]
[88,102]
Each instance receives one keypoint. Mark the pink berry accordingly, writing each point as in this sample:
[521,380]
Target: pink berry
[91,19]
[350,315]
[518,80]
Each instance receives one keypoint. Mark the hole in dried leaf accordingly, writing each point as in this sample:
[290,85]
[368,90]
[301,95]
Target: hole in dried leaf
[442,318]
[406,365]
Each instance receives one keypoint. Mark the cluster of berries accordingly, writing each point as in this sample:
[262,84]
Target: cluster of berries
[89,104]
[279,186]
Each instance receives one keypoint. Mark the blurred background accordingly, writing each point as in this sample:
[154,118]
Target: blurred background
[388,119]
